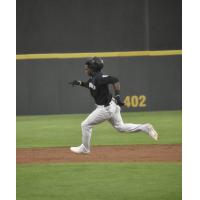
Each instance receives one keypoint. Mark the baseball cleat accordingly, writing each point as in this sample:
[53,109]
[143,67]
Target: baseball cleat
[152,132]
[79,149]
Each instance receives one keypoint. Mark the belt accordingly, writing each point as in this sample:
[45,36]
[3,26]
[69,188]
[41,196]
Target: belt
[109,102]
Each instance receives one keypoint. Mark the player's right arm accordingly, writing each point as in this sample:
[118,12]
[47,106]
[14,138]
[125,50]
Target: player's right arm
[84,84]
[80,83]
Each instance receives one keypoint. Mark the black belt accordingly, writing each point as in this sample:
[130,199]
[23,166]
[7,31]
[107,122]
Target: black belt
[106,105]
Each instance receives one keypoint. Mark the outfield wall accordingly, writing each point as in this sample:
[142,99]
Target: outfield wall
[42,84]
[77,26]
[49,26]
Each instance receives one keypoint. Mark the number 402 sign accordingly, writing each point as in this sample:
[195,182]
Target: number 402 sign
[135,101]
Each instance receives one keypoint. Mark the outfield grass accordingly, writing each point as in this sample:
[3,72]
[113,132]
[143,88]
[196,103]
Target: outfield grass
[99,182]
[64,130]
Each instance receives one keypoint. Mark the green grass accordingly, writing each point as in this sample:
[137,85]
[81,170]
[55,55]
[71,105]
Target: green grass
[119,181]
[137,181]
[64,130]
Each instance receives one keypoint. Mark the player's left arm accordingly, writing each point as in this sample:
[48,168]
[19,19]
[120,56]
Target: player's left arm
[105,79]
[116,88]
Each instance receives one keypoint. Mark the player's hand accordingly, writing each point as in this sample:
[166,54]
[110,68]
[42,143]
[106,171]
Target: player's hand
[75,82]
[118,101]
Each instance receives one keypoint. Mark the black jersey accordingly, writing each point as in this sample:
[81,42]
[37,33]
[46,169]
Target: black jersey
[98,85]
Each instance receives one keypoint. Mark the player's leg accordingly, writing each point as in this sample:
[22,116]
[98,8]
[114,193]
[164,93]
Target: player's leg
[118,124]
[97,116]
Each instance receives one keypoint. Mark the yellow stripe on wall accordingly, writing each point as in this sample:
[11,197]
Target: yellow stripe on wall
[99,54]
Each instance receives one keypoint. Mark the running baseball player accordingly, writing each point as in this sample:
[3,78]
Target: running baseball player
[107,107]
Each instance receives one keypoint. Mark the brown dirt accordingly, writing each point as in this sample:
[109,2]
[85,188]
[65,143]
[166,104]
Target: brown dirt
[128,153]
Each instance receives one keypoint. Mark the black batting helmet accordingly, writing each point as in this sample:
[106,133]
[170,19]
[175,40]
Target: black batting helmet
[95,63]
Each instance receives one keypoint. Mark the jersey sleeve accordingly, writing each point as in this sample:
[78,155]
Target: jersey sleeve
[106,79]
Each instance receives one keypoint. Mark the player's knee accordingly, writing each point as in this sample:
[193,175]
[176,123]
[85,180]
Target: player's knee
[119,128]
[85,125]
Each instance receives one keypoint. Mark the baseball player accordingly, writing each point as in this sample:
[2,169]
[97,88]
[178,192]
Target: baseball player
[107,107]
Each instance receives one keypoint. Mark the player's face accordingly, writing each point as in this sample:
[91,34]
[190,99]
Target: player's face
[87,70]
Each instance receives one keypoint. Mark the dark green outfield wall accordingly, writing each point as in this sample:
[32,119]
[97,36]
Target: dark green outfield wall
[42,85]
[62,26]
[45,26]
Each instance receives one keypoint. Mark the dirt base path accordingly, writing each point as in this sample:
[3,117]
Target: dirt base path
[128,153]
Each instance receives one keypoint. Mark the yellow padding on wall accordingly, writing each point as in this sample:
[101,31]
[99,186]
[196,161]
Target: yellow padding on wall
[100,54]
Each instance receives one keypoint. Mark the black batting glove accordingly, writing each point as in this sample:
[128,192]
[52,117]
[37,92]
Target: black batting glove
[75,82]
[118,101]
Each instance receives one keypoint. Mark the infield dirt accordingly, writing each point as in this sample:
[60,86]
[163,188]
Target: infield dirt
[127,153]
